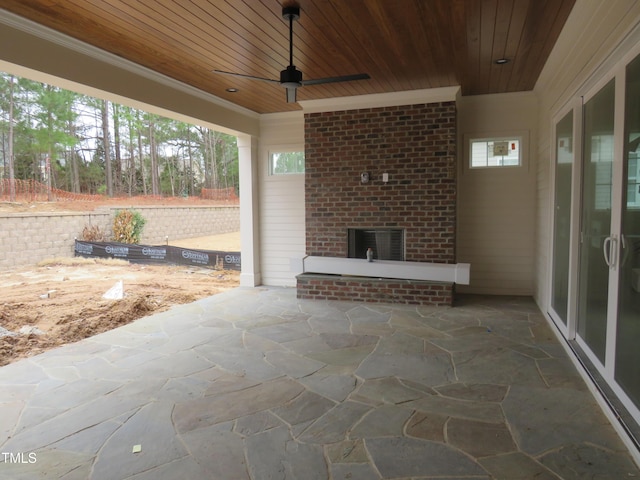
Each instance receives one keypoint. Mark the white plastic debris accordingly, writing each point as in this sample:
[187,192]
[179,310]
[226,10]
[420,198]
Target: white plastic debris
[6,333]
[30,330]
[136,449]
[116,292]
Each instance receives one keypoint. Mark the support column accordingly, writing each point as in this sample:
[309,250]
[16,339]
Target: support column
[249,213]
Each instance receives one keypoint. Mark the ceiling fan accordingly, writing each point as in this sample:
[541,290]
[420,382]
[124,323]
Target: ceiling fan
[291,77]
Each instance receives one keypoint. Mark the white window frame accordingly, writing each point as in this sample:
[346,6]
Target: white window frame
[276,150]
[507,141]
[521,135]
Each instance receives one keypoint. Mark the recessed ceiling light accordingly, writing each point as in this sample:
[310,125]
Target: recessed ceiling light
[232,90]
[502,61]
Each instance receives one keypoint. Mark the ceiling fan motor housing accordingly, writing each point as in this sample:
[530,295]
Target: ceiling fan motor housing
[291,77]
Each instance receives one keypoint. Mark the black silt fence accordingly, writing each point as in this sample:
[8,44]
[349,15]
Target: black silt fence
[159,254]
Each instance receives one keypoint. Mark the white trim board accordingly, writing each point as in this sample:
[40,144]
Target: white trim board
[437,272]
[377,100]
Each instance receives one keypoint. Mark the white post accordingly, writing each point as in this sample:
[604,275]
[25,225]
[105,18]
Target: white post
[249,213]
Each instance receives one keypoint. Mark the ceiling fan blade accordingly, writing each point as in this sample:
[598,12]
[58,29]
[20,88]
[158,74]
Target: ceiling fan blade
[344,78]
[291,77]
[250,77]
[291,94]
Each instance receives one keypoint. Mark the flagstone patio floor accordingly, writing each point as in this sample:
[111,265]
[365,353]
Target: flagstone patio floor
[256,384]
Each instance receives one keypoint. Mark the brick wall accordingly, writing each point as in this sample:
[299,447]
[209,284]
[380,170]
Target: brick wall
[29,238]
[415,145]
[387,290]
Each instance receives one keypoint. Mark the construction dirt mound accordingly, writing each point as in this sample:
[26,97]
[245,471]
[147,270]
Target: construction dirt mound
[62,300]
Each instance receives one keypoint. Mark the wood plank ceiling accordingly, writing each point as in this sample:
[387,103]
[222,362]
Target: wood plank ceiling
[401,44]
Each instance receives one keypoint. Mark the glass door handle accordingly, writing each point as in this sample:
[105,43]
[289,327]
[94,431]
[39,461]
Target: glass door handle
[623,242]
[608,249]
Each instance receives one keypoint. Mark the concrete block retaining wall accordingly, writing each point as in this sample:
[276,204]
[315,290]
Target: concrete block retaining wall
[28,238]
[186,222]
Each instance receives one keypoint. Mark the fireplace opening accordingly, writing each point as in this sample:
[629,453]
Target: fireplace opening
[386,243]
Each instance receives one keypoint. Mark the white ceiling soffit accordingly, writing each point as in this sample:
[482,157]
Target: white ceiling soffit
[377,100]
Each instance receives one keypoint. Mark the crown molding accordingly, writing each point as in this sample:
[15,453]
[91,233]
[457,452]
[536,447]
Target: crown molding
[282,117]
[376,100]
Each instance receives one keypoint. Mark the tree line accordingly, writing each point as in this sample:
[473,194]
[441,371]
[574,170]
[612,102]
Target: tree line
[83,144]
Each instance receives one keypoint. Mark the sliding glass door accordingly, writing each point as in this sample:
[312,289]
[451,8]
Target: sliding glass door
[562,217]
[627,357]
[595,237]
[595,271]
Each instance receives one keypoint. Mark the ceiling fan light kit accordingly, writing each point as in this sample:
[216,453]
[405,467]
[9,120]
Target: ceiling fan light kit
[291,77]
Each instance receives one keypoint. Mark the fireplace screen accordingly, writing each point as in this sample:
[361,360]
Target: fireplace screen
[387,244]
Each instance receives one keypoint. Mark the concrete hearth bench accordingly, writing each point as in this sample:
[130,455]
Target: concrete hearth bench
[334,278]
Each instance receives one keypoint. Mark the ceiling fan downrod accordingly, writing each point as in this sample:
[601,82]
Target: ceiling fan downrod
[291,13]
[291,77]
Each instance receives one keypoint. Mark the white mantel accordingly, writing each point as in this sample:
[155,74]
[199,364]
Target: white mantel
[437,272]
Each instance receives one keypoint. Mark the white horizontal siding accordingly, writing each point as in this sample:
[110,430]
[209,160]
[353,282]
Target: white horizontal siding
[281,227]
[496,235]
[496,206]
[595,37]
[282,206]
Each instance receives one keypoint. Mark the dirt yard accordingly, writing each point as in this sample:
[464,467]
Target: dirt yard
[61,301]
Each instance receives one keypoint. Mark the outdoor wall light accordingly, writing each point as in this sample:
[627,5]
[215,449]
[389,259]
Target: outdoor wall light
[364,177]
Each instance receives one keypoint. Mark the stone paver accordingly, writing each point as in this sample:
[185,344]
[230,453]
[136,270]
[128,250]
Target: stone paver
[256,384]
[400,457]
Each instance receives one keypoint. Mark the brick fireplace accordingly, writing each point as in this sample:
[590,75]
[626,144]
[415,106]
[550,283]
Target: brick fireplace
[415,146]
